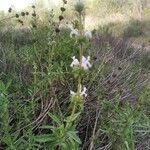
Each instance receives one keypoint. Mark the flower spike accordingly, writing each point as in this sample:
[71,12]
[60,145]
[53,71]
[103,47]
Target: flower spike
[82,92]
[88,34]
[73,33]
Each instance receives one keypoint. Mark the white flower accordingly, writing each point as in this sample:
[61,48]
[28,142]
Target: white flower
[82,93]
[62,26]
[75,62]
[85,63]
[88,34]
[72,93]
[70,26]
[74,32]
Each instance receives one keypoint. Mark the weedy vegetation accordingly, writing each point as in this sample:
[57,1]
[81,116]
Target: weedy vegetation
[63,87]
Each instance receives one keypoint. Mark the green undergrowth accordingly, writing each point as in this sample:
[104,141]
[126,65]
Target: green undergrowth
[35,75]
[35,83]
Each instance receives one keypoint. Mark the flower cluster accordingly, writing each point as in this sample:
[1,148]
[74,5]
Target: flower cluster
[75,32]
[88,34]
[81,92]
[82,37]
[85,63]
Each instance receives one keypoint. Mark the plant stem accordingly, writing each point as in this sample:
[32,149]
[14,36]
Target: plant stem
[80,58]
[132,138]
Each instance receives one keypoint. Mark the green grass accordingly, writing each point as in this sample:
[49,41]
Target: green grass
[35,83]
[39,79]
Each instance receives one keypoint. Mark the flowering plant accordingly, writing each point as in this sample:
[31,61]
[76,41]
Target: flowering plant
[66,128]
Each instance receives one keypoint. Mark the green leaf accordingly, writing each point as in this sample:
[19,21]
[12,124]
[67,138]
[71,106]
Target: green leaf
[47,127]
[64,146]
[8,84]
[127,145]
[74,136]
[37,146]
[55,118]
[72,118]
[44,138]
[2,87]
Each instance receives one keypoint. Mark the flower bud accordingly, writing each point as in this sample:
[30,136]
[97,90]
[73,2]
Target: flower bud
[10,10]
[20,21]
[33,6]
[64,1]
[76,24]
[17,16]
[27,13]
[61,17]
[22,14]
[79,7]
[62,9]
[34,14]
